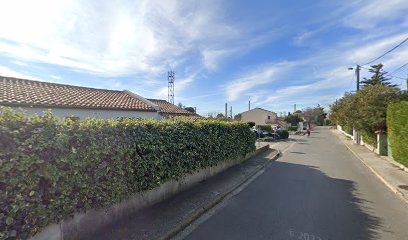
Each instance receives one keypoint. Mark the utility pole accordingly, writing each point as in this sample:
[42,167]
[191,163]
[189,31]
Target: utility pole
[231,112]
[406,86]
[355,132]
[294,108]
[249,105]
[226,110]
[358,77]
[195,109]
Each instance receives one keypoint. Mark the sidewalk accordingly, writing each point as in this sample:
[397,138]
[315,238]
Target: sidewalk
[387,170]
[164,220]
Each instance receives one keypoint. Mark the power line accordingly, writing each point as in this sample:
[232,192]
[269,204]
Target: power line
[396,70]
[389,75]
[406,39]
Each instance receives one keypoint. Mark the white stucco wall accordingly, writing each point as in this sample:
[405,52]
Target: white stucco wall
[84,113]
[259,116]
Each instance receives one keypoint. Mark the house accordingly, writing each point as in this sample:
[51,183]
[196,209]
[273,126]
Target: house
[259,116]
[35,97]
[169,110]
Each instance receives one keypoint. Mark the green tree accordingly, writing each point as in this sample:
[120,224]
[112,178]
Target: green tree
[293,119]
[237,117]
[343,112]
[314,115]
[221,116]
[366,110]
[379,77]
[372,104]
[180,105]
[190,109]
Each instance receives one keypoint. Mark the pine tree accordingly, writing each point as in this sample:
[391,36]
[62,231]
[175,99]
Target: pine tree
[379,77]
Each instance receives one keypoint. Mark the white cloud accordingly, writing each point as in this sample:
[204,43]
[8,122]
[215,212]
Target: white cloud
[180,85]
[7,72]
[371,13]
[113,38]
[212,58]
[263,75]
[375,48]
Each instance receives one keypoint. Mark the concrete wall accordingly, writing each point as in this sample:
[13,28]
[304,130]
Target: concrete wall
[84,113]
[259,116]
[85,224]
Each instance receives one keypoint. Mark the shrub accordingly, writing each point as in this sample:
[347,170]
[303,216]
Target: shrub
[251,124]
[370,138]
[397,125]
[284,134]
[347,129]
[264,127]
[51,169]
[293,128]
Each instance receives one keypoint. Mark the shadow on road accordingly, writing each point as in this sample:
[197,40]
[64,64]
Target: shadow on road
[312,203]
[293,201]
[298,152]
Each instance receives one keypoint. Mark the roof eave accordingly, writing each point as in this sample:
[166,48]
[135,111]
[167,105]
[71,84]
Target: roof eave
[10,104]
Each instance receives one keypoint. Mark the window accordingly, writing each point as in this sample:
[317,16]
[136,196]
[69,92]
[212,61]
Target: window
[269,117]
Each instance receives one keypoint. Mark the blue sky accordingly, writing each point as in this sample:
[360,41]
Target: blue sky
[274,53]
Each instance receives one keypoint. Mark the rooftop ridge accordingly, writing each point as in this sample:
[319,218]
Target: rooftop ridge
[59,84]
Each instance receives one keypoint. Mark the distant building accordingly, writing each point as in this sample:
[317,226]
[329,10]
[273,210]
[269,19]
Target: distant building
[35,97]
[259,116]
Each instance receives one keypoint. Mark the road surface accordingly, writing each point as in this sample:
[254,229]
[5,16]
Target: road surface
[317,190]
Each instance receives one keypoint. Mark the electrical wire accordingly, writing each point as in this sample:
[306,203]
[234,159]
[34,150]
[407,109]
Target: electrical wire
[389,75]
[406,39]
[396,70]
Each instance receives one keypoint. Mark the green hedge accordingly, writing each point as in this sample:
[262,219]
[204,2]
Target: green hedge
[293,128]
[369,137]
[284,134]
[50,169]
[397,126]
[264,127]
[347,129]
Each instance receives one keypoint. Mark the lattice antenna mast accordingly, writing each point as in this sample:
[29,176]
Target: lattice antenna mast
[171,76]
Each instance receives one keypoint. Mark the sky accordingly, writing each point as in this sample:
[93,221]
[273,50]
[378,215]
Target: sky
[273,53]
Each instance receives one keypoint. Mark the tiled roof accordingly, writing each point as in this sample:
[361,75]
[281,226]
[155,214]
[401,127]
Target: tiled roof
[22,92]
[261,109]
[168,108]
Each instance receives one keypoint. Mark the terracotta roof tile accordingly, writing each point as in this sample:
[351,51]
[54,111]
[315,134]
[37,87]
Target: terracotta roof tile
[14,91]
[168,108]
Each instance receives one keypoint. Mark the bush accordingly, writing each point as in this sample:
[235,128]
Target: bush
[264,127]
[251,124]
[397,125]
[51,169]
[284,134]
[347,129]
[370,138]
[293,128]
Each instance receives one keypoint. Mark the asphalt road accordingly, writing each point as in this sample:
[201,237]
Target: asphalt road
[317,190]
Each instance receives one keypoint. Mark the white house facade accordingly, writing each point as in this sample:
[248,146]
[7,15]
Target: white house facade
[259,116]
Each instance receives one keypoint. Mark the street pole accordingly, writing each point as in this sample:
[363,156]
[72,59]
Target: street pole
[357,134]
[226,110]
[358,77]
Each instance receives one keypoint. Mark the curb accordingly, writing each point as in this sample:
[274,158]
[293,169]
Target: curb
[392,188]
[397,164]
[210,206]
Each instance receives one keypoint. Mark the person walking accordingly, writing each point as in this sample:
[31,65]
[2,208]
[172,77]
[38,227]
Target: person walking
[308,132]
